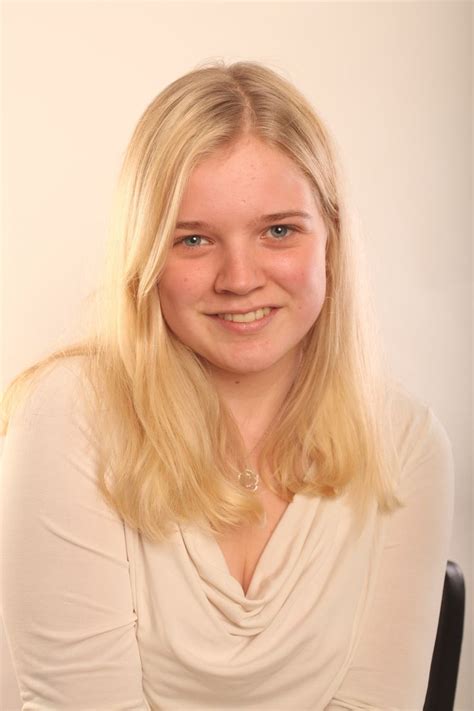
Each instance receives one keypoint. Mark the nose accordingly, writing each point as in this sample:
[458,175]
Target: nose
[240,270]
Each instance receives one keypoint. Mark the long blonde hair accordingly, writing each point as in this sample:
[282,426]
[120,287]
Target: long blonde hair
[157,466]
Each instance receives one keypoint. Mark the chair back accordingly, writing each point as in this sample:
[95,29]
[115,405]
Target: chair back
[447,650]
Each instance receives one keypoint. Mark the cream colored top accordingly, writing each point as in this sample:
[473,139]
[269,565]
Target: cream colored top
[98,619]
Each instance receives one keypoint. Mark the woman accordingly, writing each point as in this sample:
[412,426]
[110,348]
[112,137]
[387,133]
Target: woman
[218,499]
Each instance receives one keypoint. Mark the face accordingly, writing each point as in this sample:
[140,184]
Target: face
[243,285]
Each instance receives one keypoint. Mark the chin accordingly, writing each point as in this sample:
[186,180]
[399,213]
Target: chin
[236,368]
[246,366]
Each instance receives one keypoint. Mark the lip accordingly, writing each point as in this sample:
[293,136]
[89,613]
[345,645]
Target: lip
[243,311]
[251,327]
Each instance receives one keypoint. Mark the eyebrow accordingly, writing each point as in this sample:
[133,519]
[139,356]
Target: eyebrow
[198,224]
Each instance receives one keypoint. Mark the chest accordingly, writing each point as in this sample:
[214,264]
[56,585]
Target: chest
[243,547]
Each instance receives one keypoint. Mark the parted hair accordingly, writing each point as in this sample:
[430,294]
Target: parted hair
[169,448]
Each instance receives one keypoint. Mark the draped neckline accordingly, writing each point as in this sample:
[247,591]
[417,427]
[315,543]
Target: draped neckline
[292,543]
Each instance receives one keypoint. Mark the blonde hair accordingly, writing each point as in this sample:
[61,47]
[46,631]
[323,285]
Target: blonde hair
[158,467]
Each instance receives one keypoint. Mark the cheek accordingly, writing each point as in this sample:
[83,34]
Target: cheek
[312,291]
[181,297]
[177,288]
[306,278]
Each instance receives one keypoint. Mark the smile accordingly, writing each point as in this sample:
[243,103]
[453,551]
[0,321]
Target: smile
[246,318]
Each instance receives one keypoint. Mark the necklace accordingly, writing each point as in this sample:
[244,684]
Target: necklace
[248,478]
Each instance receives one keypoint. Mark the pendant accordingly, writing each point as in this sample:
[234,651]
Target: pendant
[249,479]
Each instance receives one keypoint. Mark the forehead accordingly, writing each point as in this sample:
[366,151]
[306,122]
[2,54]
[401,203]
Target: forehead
[249,175]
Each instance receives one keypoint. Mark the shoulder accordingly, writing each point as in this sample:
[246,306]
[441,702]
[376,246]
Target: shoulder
[50,443]
[59,390]
[421,441]
[415,426]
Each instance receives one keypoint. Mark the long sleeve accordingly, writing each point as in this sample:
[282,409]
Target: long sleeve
[391,664]
[65,589]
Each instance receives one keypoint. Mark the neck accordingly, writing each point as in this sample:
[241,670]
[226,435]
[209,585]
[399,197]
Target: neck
[255,399]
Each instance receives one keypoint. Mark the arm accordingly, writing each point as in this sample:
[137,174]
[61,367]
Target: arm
[391,664]
[66,597]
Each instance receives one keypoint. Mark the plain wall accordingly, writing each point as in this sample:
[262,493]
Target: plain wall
[393,82]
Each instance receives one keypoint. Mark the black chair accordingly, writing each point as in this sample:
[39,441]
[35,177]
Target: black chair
[447,650]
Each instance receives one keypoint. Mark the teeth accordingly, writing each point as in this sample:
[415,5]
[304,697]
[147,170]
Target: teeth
[246,318]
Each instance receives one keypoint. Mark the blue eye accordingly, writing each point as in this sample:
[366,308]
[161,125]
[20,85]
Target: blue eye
[281,227]
[192,241]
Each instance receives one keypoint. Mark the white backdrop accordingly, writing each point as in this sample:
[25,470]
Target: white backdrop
[393,81]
